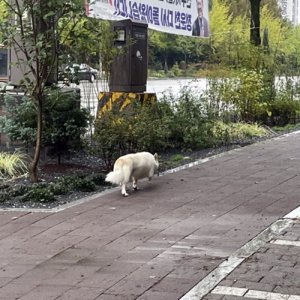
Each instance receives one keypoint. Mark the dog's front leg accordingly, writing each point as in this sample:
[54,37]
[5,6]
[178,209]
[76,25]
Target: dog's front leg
[124,193]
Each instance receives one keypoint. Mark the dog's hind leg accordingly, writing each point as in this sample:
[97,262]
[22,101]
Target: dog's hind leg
[124,193]
[126,179]
[150,175]
[134,184]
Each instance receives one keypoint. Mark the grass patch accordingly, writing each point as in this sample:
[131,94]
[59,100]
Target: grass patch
[12,164]
[286,128]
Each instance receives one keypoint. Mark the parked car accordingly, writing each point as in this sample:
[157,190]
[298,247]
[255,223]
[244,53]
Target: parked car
[78,72]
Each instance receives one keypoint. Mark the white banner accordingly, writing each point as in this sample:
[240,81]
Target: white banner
[290,10]
[183,17]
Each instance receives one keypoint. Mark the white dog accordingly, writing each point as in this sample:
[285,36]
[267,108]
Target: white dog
[132,167]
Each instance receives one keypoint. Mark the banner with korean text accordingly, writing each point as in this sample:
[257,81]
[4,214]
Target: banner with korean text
[182,17]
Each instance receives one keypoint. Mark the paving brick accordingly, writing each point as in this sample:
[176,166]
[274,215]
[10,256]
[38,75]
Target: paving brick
[15,291]
[72,275]
[80,293]
[109,275]
[173,285]
[37,276]
[4,281]
[139,281]
[254,285]
[114,297]
[289,288]
[45,292]
[213,297]
[253,276]
[235,298]
[151,295]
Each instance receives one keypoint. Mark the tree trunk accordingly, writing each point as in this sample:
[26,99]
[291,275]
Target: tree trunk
[255,22]
[37,151]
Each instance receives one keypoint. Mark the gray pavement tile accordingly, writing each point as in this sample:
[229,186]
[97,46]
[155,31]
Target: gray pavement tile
[45,292]
[80,293]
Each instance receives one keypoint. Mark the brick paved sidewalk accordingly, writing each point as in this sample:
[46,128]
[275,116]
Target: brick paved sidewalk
[273,272]
[267,267]
[159,242]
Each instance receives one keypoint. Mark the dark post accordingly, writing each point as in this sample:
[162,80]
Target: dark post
[255,22]
[129,68]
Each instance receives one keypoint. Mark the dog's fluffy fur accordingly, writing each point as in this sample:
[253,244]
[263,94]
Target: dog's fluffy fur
[132,167]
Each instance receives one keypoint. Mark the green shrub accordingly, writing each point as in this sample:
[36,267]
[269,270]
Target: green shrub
[3,186]
[176,158]
[18,190]
[283,111]
[64,121]
[286,128]
[59,188]
[39,193]
[175,70]
[20,122]
[98,179]
[76,183]
[136,128]
[188,122]
[150,128]
[192,125]
[84,185]
[245,94]
[226,133]
[4,196]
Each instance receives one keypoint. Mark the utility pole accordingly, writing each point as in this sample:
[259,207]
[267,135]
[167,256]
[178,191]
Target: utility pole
[255,38]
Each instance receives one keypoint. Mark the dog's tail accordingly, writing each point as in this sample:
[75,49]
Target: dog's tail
[115,177]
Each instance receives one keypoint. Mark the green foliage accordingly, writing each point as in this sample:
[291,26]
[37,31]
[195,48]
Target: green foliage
[33,36]
[283,112]
[286,128]
[3,196]
[165,50]
[3,16]
[64,121]
[12,164]
[99,49]
[188,122]
[39,193]
[136,128]
[107,50]
[177,158]
[98,179]
[20,121]
[219,22]
[245,94]
[175,70]
[226,133]
[78,183]
[37,55]
[242,7]
[191,127]
[151,127]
